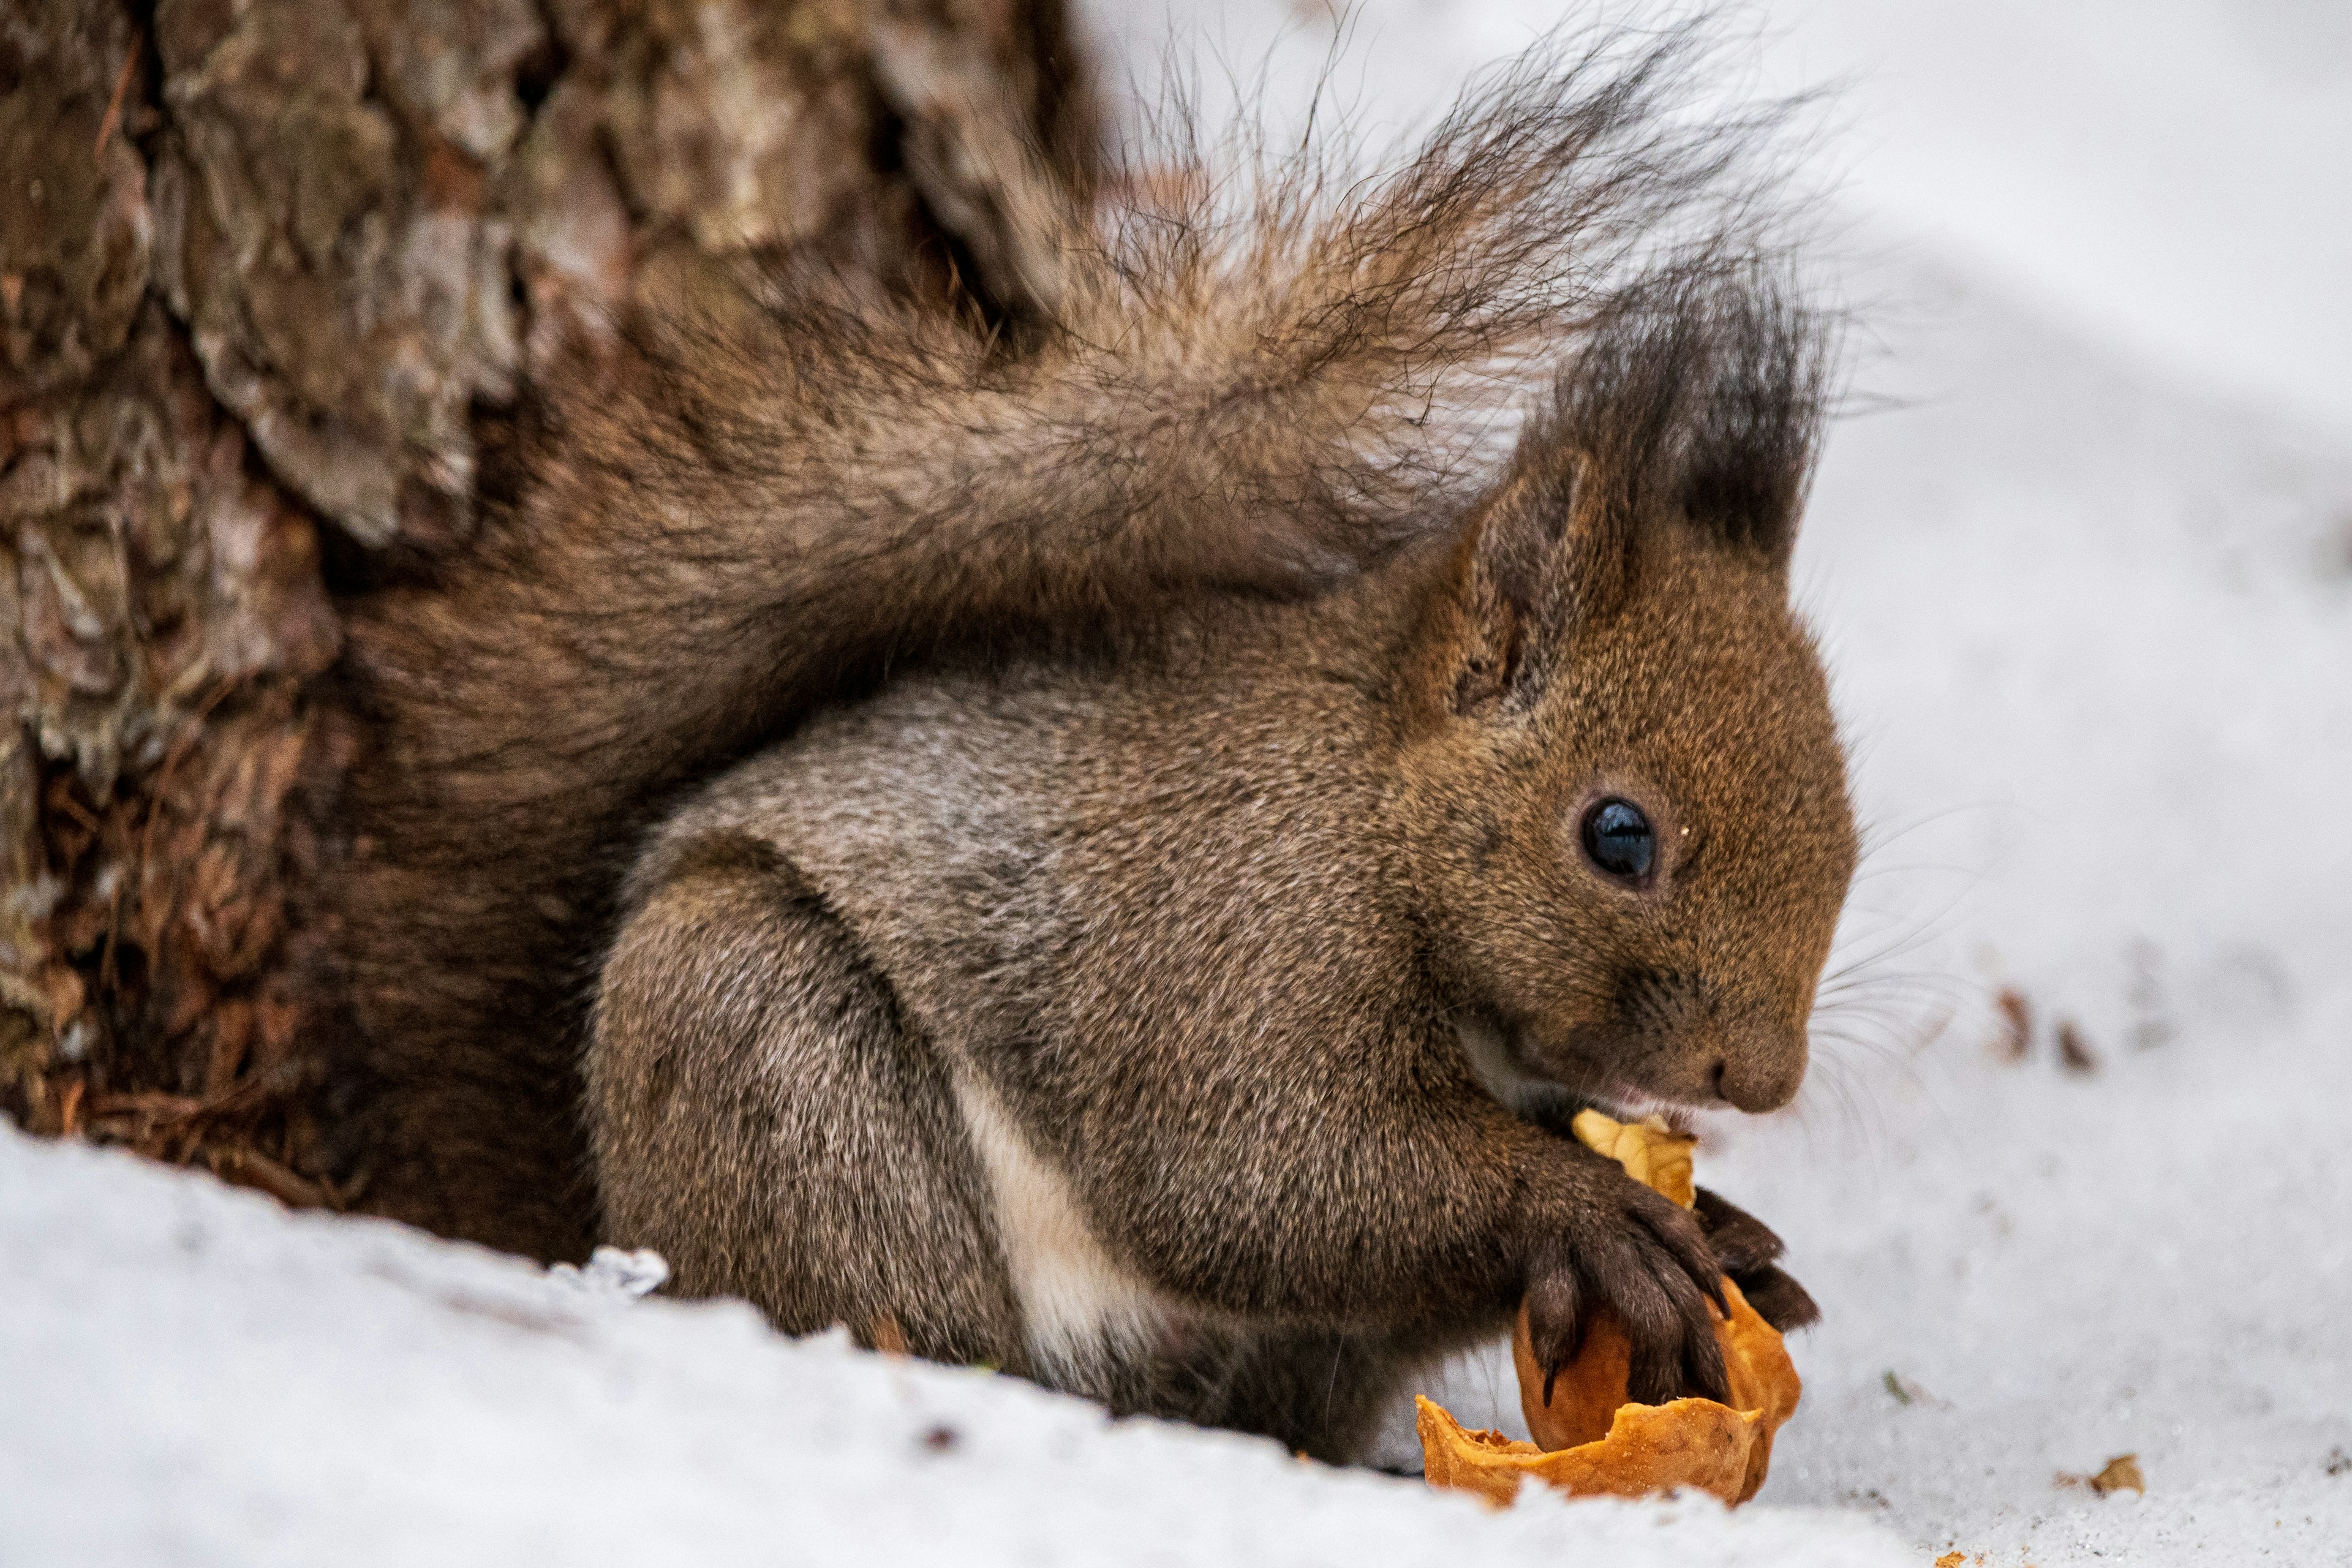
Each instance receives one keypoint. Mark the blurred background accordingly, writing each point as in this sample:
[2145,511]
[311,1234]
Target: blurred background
[2176,177]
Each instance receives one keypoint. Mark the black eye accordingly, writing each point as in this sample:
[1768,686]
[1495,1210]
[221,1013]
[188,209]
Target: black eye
[1620,840]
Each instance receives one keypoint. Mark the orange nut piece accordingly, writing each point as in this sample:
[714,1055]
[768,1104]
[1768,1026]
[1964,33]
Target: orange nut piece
[1589,1440]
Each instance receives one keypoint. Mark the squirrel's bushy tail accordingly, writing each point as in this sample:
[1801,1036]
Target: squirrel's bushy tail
[1223,370]
[1295,331]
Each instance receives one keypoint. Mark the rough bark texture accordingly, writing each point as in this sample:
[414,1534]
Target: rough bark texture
[277,279]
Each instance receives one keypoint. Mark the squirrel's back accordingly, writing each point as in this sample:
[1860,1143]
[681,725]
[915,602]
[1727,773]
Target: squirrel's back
[1006,838]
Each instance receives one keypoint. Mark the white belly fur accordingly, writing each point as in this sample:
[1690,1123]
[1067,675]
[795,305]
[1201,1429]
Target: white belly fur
[1080,1309]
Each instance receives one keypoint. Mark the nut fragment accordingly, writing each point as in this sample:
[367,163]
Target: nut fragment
[1650,1448]
[2121,1473]
[1652,1153]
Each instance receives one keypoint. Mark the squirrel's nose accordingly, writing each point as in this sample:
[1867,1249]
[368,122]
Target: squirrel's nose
[1762,1072]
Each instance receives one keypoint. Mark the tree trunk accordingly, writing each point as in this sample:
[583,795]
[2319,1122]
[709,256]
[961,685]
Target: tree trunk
[275,279]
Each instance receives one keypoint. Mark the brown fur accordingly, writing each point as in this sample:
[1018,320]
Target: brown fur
[1186,1029]
[1255,383]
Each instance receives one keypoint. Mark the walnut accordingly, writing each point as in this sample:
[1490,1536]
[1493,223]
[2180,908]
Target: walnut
[1589,1440]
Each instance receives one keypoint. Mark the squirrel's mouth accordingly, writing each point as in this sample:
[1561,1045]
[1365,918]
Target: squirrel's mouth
[1537,1088]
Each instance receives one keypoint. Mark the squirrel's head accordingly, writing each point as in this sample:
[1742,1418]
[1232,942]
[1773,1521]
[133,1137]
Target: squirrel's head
[1629,833]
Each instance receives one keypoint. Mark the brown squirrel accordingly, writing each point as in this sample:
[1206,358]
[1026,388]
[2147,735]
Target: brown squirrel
[1214,824]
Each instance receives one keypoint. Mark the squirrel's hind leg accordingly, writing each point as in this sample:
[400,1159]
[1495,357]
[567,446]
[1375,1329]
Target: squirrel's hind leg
[1316,1391]
[761,1114]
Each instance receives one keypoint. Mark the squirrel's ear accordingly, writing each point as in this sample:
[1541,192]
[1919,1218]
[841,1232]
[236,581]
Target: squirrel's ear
[1703,408]
[1509,600]
[1694,408]
[1555,541]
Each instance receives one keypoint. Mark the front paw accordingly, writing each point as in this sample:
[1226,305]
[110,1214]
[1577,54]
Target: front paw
[1613,1245]
[1747,1249]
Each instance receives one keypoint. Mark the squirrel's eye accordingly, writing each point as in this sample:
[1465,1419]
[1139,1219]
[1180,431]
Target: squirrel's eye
[1619,840]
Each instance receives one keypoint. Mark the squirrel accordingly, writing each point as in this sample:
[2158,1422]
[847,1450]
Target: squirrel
[1110,848]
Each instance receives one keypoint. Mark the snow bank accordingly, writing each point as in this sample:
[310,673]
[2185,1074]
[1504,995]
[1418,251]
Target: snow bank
[2093,638]
[2173,170]
[190,1375]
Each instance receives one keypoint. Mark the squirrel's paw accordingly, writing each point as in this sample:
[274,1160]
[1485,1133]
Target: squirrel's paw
[1746,1248]
[1626,1251]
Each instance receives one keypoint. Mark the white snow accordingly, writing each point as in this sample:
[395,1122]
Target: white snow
[2094,638]
[2091,626]
[191,1376]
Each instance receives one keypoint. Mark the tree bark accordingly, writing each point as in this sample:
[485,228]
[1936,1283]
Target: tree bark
[277,280]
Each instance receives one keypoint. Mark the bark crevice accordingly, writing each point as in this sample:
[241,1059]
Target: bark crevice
[273,306]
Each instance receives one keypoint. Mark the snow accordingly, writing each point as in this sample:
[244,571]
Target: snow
[2094,637]
[2180,171]
[2091,627]
[190,1375]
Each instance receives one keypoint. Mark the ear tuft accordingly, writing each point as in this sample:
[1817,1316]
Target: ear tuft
[1704,397]
[1754,436]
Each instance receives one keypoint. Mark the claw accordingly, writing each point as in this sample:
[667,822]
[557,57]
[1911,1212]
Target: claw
[1577,1331]
[1740,1241]
[1710,1377]
[1680,1234]
[1779,1300]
